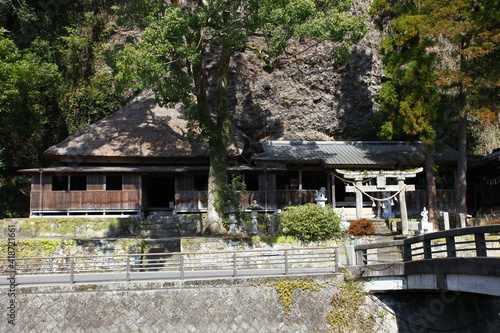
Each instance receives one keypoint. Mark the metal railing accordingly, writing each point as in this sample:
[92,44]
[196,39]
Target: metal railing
[179,264]
[482,241]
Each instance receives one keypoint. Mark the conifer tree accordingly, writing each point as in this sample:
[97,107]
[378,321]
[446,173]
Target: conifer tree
[464,37]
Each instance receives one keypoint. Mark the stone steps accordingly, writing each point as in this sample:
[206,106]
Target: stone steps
[156,227]
[381,227]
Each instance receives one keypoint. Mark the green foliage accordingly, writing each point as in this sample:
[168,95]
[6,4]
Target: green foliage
[231,195]
[347,314]
[286,288]
[90,101]
[310,222]
[14,195]
[40,248]
[53,81]
[26,84]
[361,227]
[461,37]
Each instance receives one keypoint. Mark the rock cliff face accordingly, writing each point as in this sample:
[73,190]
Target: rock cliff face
[311,97]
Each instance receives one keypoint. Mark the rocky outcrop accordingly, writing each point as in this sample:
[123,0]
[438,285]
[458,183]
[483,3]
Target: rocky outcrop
[308,97]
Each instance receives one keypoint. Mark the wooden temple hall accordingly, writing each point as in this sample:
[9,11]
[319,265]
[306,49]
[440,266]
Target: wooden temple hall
[138,162]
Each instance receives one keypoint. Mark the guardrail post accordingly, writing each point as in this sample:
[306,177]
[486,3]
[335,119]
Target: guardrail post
[480,245]
[350,255]
[72,272]
[336,253]
[182,266]
[450,247]
[427,249]
[286,262]
[407,255]
[362,257]
[127,271]
[235,266]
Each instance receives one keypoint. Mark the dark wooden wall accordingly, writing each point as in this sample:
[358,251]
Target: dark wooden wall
[94,198]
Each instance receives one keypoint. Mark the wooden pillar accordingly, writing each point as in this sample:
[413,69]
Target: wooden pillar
[332,191]
[402,206]
[300,187]
[359,199]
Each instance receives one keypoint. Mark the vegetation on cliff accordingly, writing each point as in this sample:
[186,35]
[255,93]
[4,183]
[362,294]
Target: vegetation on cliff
[56,71]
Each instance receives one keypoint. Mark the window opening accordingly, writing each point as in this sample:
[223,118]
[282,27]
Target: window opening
[60,183]
[78,183]
[251,182]
[200,182]
[114,183]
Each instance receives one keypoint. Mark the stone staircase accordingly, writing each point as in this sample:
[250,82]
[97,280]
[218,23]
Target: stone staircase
[156,227]
[384,234]
[161,235]
[381,228]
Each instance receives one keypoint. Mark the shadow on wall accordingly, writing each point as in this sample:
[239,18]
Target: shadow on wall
[355,104]
[446,311]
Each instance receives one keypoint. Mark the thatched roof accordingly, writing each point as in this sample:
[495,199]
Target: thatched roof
[141,130]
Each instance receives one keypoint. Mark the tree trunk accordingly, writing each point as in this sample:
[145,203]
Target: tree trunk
[462,170]
[430,178]
[219,139]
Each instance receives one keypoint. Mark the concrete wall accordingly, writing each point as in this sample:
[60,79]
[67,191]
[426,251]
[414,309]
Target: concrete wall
[226,305]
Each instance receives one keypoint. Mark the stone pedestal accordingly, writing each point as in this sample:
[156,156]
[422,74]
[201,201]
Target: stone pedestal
[232,224]
[344,225]
[254,215]
[446,219]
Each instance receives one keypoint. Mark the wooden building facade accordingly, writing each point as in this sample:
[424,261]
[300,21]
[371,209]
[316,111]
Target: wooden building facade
[138,161]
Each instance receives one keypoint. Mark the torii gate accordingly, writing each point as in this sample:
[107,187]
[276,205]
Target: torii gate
[381,176]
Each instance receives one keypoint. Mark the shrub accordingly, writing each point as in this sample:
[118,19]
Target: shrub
[361,227]
[310,222]
[490,222]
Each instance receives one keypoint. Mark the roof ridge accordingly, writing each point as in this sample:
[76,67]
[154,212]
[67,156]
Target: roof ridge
[350,142]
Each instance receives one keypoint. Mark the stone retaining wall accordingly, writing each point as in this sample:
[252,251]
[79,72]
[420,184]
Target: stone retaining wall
[225,305]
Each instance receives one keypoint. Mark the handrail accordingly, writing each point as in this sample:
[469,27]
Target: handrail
[441,244]
[178,264]
[177,253]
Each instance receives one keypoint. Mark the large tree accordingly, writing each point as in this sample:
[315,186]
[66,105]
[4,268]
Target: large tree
[466,37]
[410,100]
[187,45]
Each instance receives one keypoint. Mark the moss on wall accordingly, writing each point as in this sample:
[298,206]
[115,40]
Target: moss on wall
[70,247]
[74,226]
[41,248]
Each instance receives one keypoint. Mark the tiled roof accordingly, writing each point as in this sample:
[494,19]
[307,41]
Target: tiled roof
[369,154]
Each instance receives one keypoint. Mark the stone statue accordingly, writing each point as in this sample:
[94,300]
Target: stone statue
[425,226]
[321,194]
[321,197]
[343,219]
[425,216]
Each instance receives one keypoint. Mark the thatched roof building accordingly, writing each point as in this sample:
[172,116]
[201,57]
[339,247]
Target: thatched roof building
[141,131]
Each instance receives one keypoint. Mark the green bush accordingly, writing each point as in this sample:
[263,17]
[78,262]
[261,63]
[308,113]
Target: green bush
[309,222]
[361,227]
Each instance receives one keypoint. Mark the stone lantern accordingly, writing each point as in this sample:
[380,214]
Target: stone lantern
[254,215]
[232,222]
[321,197]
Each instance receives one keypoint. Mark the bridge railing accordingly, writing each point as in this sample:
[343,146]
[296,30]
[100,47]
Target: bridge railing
[179,263]
[482,241]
